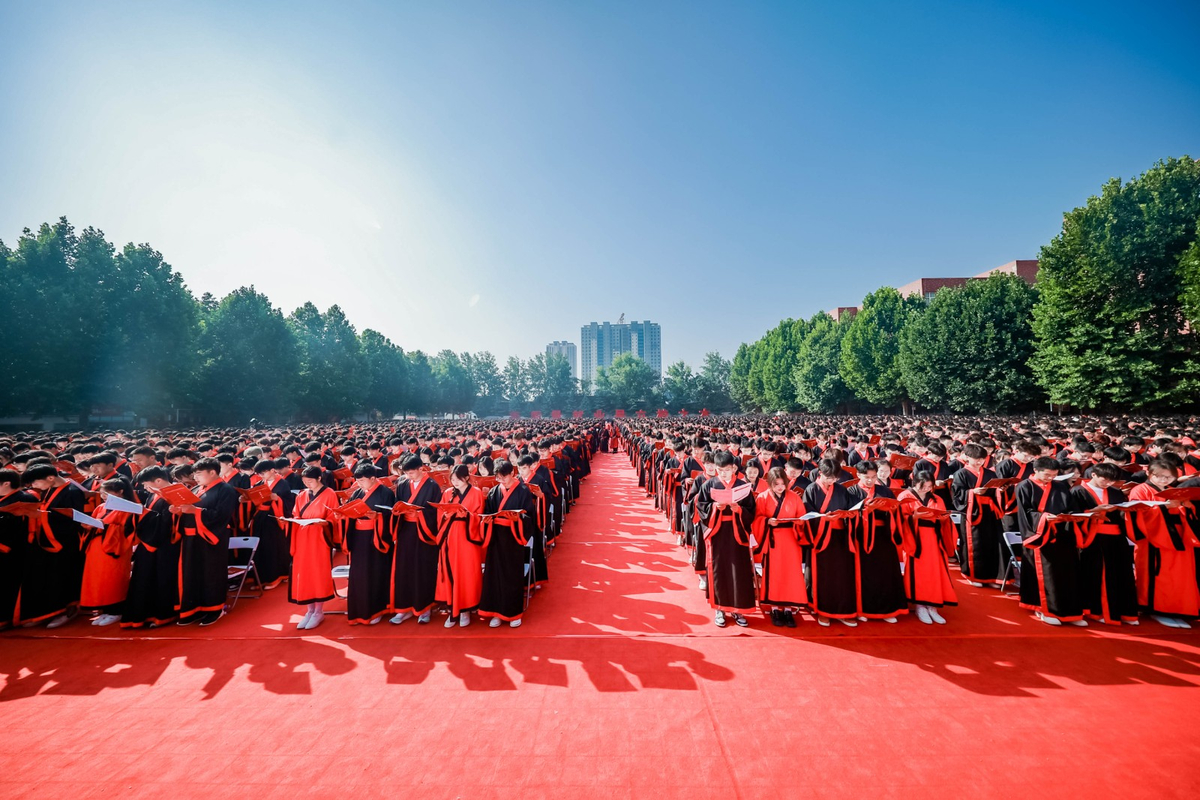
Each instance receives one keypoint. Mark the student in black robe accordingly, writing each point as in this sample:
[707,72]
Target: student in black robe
[54,562]
[273,558]
[417,551]
[527,467]
[727,531]
[876,534]
[1106,562]
[1049,550]
[153,597]
[369,542]
[204,551]
[14,537]
[1020,466]
[832,565]
[507,542]
[981,532]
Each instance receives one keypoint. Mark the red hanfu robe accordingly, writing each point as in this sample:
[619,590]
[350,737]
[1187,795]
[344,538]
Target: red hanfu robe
[310,577]
[460,562]
[1165,556]
[928,542]
[107,557]
[781,549]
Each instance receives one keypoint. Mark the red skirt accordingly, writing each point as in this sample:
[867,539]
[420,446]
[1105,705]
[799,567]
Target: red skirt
[105,577]
[310,580]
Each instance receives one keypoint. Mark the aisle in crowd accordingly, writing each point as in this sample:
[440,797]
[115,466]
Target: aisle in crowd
[1089,520]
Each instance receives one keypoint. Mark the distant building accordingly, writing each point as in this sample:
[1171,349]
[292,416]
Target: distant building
[926,288]
[601,342]
[843,312]
[567,350]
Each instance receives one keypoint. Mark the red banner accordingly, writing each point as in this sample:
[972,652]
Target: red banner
[704,412]
[683,412]
[641,413]
[662,412]
[535,415]
[556,414]
[620,413]
[597,414]
[576,414]
[515,415]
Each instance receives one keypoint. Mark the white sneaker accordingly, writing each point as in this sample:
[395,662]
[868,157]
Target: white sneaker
[923,615]
[315,620]
[1079,623]
[935,616]
[59,621]
[516,623]
[703,584]
[862,619]
[424,618]
[849,623]
[1048,620]
[823,622]
[891,620]
[1131,622]
[375,621]
[401,617]
[464,619]
[976,584]
[302,624]
[495,622]
[450,620]
[107,619]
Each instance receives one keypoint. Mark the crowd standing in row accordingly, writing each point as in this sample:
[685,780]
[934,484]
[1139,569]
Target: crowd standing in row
[135,529]
[857,519]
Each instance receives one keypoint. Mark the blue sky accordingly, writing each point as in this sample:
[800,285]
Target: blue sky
[493,175]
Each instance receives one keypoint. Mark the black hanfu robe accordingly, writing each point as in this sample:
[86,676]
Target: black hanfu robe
[1049,551]
[14,540]
[371,549]
[727,534]
[876,536]
[204,551]
[53,561]
[981,532]
[1106,561]
[153,597]
[832,561]
[414,588]
[507,543]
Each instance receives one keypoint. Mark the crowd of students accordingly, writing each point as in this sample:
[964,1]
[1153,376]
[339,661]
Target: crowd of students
[857,519]
[135,529]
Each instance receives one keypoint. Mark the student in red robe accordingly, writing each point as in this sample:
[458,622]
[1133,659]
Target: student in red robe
[204,554]
[107,556]
[928,542]
[153,596]
[1049,550]
[780,546]
[310,579]
[460,564]
[727,534]
[1166,551]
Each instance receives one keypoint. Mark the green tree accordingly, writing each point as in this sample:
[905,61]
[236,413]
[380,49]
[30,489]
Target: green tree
[969,349]
[778,352]
[249,360]
[713,384]
[1189,275]
[1109,325]
[387,374]
[333,377]
[489,383]
[870,364]
[455,392]
[632,383]
[739,377]
[422,388]
[558,388]
[679,386]
[816,377]
[516,383]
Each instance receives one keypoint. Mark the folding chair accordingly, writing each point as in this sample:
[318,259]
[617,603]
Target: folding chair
[237,573]
[1012,543]
[529,572]
[340,572]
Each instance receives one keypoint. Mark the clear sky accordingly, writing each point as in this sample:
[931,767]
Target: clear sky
[493,175]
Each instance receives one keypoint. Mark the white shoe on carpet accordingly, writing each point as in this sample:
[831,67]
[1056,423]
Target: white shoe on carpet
[401,617]
[495,622]
[59,621]
[976,584]
[923,615]
[107,619]
[450,621]
[315,620]
[704,584]
[849,623]
[302,624]
[823,622]
[935,616]
[516,623]
[424,618]
[464,619]
[1079,623]
[375,621]
[890,620]
[1048,620]
[862,619]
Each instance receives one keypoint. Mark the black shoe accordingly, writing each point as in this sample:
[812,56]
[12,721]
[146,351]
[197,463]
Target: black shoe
[777,618]
[740,620]
[788,619]
[210,618]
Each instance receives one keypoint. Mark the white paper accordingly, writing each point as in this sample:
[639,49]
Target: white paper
[955,518]
[84,519]
[1132,503]
[859,506]
[812,515]
[1067,477]
[753,541]
[114,503]
[297,491]
[731,496]
[384,508]
[300,522]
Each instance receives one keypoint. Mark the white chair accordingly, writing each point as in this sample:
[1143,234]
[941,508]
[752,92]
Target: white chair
[237,573]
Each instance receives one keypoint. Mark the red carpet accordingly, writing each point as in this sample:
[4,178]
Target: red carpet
[617,685]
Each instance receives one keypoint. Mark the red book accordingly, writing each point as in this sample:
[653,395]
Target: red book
[178,495]
[484,481]
[904,462]
[258,495]
[1000,483]
[343,474]
[402,507]
[453,509]
[21,509]
[1186,495]
[441,477]
[355,509]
